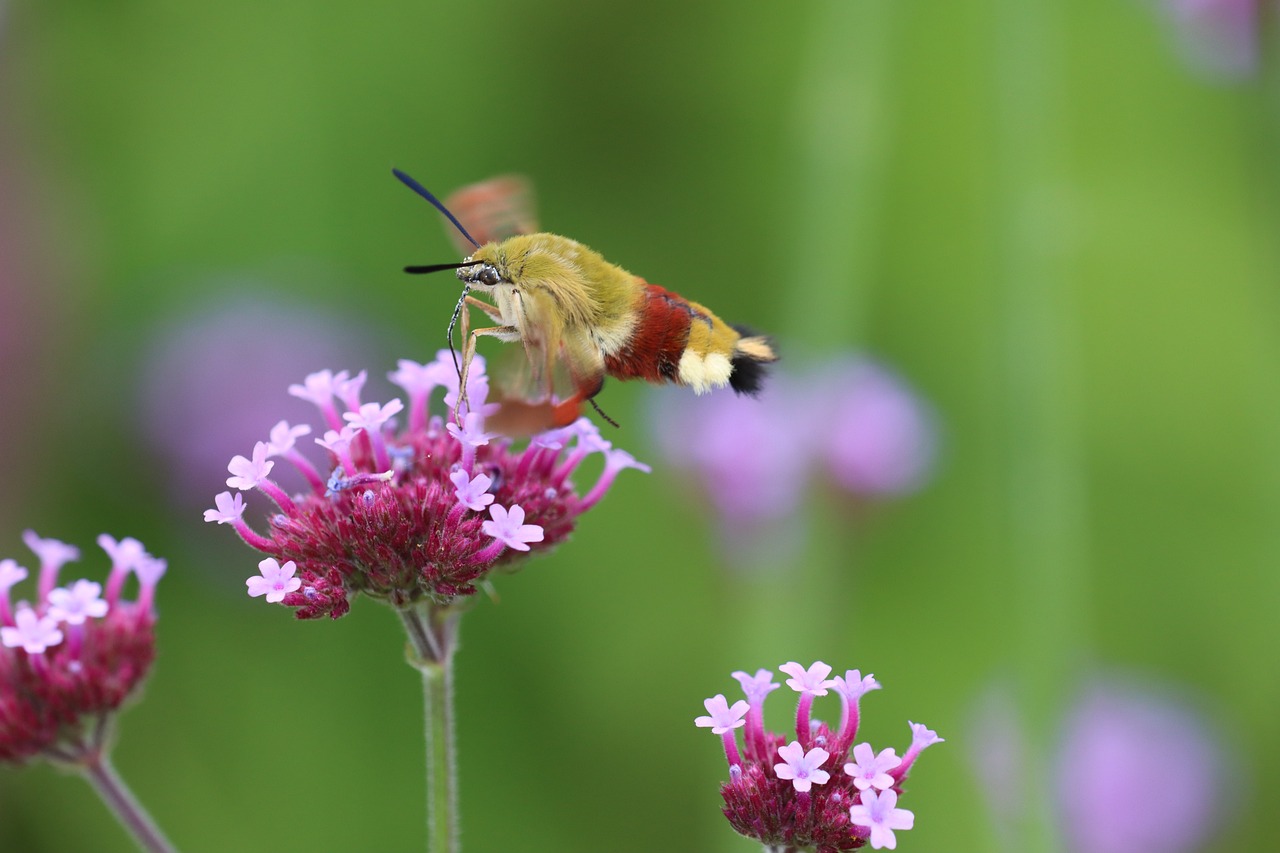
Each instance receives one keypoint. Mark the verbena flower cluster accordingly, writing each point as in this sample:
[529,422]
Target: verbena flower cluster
[413,512]
[801,791]
[72,658]
[757,463]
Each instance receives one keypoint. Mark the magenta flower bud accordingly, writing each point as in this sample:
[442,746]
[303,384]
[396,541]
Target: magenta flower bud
[69,663]
[793,794]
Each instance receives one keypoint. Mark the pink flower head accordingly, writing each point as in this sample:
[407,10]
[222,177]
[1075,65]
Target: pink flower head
[881,815]
[320,387]
[10,574]
[870,770]
[71,662]
[802,769]
[471,433]
[783,791]
[228,509]
[472,492]
[372,416]
[757,686]
[31,633]
[921,737]
[348,390]
[414,512]
[53,554]
[150,570]
[250,473]
[338,442]
[812,681]
[80,602]
[284,437]
[477,383]
[420,379]
[508,527]
[273,580]
[853,685]
[124,554]
[721,717]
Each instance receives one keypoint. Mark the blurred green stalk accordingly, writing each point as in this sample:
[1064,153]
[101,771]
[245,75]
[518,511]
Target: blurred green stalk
[98,770]
[432,642]
[1046,499]
[840,126]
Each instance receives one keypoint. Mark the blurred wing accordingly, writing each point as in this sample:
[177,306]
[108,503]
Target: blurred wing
[493,210]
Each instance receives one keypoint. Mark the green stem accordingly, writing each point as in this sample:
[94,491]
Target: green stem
[432,642]
[1047,518]
[100,773]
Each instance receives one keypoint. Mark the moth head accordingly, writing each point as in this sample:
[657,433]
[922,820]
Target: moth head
[480,273]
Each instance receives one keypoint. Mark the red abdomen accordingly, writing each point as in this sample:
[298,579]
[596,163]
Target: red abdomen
[662,333]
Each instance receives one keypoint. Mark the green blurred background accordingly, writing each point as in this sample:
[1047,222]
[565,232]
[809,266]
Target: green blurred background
[1061,231]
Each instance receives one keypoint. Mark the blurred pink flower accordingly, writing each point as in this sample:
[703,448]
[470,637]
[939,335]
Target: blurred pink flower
[1138,770]
[214,381]
[880,437]
[755,459]
[1219,37]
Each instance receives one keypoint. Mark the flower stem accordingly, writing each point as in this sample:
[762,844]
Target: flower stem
[100,773]
[1048,529]
[432,642]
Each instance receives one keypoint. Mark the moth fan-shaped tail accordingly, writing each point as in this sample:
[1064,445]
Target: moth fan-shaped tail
[752,355]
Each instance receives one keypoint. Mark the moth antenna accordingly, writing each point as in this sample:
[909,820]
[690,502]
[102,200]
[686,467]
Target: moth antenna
[457,309]
[600,412]
[425,193]
[424,269]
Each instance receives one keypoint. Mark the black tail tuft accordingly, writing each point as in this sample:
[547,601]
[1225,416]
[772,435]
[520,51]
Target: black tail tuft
[751,360]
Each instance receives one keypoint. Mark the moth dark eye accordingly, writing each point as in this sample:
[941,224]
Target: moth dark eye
[489,276]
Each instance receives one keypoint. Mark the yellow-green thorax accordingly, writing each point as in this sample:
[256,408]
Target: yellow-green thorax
[551,287]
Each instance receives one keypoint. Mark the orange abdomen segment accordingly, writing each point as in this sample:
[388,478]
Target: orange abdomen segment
[662,333]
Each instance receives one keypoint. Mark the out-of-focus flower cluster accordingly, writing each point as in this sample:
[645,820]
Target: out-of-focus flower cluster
[1137,768]
[69,660]
[852,422]
[802,791]
[195,412]
[422,510]
[1219,37]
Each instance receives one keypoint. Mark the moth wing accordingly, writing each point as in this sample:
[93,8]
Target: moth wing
[493,210]
[562,360]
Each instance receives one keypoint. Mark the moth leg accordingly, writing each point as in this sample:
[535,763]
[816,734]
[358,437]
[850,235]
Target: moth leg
[502,333]
[491,311]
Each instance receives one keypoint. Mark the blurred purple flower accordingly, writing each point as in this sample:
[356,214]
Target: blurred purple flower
[214,380]
[1138,770]
[880,438]
[751,455]
[1219,37]
[754,458]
